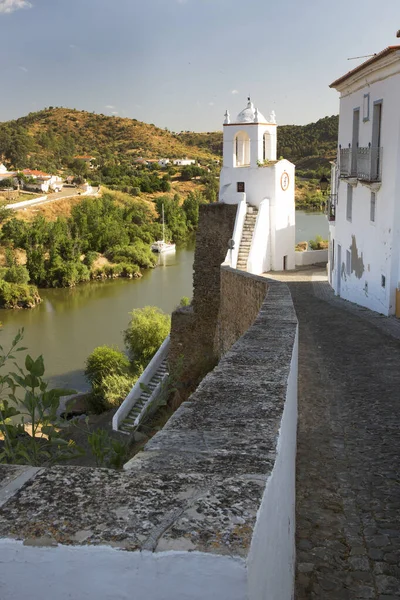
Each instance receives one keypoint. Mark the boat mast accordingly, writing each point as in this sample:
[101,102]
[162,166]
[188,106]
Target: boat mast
[163,227]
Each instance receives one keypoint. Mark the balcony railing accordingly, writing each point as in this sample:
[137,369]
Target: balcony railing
[369,164]
[346,162]
[331,207]
[361,163]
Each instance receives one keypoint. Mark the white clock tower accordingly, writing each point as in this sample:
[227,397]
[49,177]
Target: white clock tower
[263,187]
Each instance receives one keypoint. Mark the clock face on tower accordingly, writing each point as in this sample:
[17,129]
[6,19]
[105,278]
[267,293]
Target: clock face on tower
[284,181]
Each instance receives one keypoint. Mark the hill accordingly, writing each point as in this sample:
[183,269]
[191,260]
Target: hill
[308,146]
[50,138]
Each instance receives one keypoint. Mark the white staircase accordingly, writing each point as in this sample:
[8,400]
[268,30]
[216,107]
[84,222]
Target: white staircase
[132,420]
[247,236]
[144,397]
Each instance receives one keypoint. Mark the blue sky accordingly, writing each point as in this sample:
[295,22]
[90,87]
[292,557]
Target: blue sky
[181,63]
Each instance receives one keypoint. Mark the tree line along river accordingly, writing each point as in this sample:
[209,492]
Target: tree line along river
[70,323]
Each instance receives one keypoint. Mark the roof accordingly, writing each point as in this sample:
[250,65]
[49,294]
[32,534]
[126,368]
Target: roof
[250,114]
[35,173]
[365,64]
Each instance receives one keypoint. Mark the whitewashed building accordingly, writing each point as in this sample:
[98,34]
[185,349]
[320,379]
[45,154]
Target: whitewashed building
[263,187]
[183,162]
[364,212]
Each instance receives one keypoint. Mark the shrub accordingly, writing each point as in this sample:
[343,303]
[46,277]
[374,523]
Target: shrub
[17,274]
[104,361]
[90,257]
[14,295]
[146,331]
[184,301]
[115,388]
[318,244]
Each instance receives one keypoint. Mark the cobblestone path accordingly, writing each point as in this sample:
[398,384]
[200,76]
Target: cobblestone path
[348,468]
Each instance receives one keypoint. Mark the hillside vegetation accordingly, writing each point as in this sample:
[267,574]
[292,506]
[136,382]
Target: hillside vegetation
[49,139]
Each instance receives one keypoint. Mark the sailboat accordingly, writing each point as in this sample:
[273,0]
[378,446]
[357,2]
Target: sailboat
[162,246]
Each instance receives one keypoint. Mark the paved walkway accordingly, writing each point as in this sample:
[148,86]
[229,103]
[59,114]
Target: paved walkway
[348,467]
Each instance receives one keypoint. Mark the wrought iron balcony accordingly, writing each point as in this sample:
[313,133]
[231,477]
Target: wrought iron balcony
[361,163]
[369,164]
[346,163]
[331,207]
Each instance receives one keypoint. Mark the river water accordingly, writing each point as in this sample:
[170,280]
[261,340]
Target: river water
[70,323]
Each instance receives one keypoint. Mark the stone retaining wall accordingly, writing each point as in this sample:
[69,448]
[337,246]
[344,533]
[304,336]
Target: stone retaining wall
[193,330]
[205,512]
[242,295]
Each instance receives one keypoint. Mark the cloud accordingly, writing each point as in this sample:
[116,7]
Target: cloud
[72,46]
[211,104]
[24,69]
[115,113]
[109,106]
[10,6]
[234,92]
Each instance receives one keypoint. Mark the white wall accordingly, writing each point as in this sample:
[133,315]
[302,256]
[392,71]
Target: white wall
[259,260]
[378,243]
[262,182]
[103,573]
[232,255]
[271,561]
[311,257]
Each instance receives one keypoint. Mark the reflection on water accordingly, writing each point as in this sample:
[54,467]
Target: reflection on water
[71,322]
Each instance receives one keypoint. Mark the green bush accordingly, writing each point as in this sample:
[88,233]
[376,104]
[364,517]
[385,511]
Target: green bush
[14,295]
[146,331]
[90,257]
[184,301]
[104,361]
[318,244]
[114,389]
[17,274]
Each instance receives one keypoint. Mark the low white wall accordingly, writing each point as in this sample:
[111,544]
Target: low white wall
[271,561]
[25,203]
[311,257]
[136,391]
[103,573]
[232,255]
[259,260]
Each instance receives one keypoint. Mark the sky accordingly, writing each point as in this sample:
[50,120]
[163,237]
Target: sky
[181,63]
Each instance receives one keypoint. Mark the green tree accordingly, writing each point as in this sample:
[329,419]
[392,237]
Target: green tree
[191,208]
[104,361]
[146,331]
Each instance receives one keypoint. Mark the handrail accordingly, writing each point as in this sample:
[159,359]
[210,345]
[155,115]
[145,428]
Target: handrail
[144,379]
[150,401]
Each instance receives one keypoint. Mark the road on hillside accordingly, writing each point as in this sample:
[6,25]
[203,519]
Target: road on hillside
[66,192]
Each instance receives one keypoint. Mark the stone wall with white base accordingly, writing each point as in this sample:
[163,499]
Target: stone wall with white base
[205,512]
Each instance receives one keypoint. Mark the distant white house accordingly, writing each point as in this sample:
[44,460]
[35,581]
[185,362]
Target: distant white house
[42,182]
[364,213]
[163,162]
[182,162]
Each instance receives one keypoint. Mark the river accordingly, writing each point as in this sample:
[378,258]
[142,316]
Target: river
[70,323]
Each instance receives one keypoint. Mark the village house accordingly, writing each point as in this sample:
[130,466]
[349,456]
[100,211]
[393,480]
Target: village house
[183,162]
[364,208]
[42,182]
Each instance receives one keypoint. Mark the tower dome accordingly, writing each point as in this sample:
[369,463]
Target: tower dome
[250,114]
